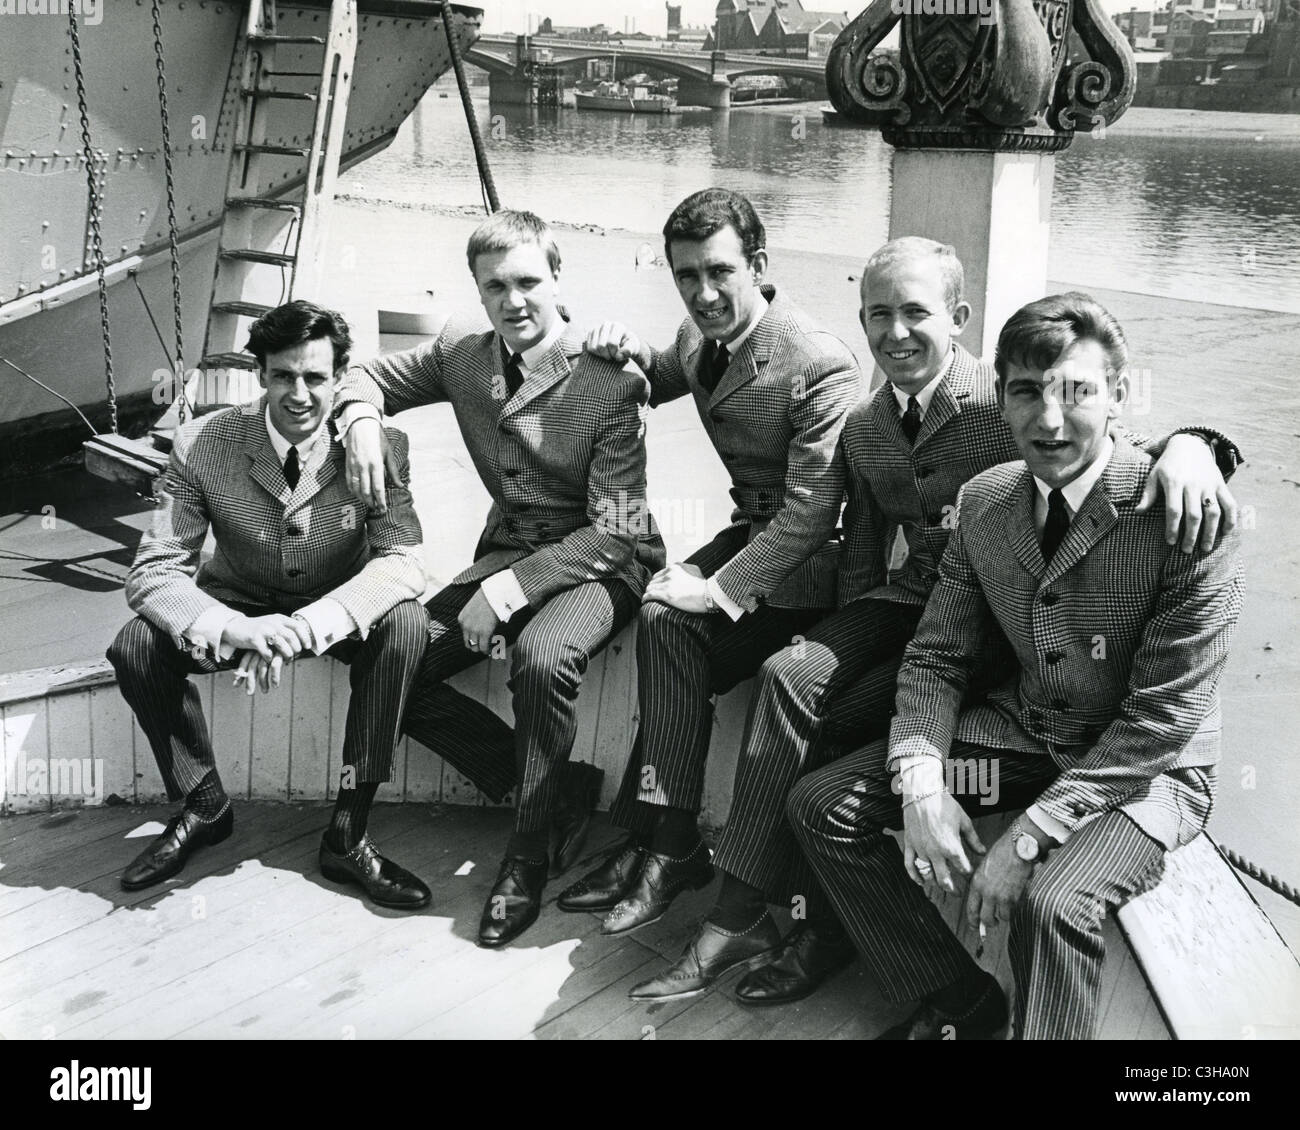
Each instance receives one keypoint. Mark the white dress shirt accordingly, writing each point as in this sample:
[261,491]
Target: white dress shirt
[328,620]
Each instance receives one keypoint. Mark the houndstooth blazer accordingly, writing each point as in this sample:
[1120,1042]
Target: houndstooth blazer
[1119,644]
[563,459]
[893,483]
[276,548]
[775,419]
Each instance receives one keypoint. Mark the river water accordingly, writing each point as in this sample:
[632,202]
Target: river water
[1180,203]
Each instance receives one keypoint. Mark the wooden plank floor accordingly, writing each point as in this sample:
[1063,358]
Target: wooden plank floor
[250,942]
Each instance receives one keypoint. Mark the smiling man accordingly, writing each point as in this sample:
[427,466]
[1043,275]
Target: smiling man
[299,569]
[557,439]
[1104,734]
[772,391]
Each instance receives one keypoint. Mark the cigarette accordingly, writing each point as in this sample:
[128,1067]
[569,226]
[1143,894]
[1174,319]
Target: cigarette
[983,932]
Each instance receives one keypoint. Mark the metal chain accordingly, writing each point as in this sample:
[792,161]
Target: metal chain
[171,211]
[94,203]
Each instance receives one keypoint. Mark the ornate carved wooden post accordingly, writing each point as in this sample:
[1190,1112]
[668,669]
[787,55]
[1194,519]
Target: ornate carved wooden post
[977,105]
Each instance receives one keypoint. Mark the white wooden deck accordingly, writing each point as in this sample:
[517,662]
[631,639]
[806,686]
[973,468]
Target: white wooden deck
[250,942]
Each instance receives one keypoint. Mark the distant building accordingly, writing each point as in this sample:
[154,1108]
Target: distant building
[774,27]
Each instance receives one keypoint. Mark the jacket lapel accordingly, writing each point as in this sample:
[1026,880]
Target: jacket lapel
[948,397]
[1021,532]
[553,367]
[266,470]
[1098,514]
[885,420]
[320,471]
[754,354]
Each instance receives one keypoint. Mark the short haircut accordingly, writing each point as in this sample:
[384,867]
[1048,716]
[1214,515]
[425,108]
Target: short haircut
[909,248]
[707,212]
[508,229]
[1036,335]
[295,323]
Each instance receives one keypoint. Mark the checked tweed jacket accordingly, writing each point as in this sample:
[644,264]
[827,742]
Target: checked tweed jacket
[1120,643]
[893,483]
[563,459]
[775,419]
[276,548]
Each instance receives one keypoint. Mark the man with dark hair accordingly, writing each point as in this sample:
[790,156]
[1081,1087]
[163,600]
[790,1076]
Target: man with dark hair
[557,439]
[772,391]
[907,451]
[1105,732]
[298,570]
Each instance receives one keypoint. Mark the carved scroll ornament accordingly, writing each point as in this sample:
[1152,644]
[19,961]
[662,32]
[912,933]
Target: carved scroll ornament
[982,74]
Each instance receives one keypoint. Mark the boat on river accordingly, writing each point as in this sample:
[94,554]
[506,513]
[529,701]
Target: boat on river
[617,96]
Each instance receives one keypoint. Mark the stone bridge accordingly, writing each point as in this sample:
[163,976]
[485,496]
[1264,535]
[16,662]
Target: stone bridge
[704,78]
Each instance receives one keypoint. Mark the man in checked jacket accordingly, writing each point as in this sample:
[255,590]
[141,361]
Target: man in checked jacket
[1106,733]
[907,451]
[299,568]
[556,436]
[772,391]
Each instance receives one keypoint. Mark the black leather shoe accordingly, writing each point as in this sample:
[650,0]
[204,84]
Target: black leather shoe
[384,881]
[514,904]
[581,791]
[601,889]
[184,835]
[660,881]
[807,957]
[986,1019]
[710,954]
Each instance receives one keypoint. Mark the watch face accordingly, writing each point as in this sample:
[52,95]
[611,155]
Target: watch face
[1027,847]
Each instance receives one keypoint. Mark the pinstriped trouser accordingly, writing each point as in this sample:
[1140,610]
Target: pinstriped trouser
[840,676]
[683,659]
[839,815]
[552,647]
[152,674]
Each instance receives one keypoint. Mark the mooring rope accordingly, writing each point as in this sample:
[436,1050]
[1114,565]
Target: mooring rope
[1256,872]
[476,138]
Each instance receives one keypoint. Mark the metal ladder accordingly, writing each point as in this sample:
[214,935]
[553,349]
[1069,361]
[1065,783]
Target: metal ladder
[303,258]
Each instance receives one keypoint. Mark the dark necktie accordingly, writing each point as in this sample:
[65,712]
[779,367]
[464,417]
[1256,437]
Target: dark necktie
[1056,526]
[715,367]
[292,469]
[514,374]
[912,420]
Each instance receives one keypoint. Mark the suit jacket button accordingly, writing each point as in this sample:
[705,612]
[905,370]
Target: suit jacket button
[1050,598]
[1053,658]
[715,417]
[294,531]
[293,572]
[933,519]
[523,508]
[510,472]
[924,472]
[1060,704]
[728,456]
[1078,809]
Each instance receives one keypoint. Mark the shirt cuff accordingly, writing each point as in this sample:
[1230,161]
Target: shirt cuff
[503,592]
[349,414]
[207,630]
[919,775]
[1049,824]
[329,622]
[723,601]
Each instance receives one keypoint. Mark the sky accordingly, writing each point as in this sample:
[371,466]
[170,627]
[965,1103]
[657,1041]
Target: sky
[512,15]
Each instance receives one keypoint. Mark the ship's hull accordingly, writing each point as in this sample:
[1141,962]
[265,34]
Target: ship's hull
[50,323]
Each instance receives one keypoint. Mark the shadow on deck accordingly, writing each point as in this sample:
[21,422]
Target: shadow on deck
[251,942]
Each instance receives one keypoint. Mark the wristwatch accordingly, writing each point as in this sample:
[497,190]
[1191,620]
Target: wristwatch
[1027,845]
